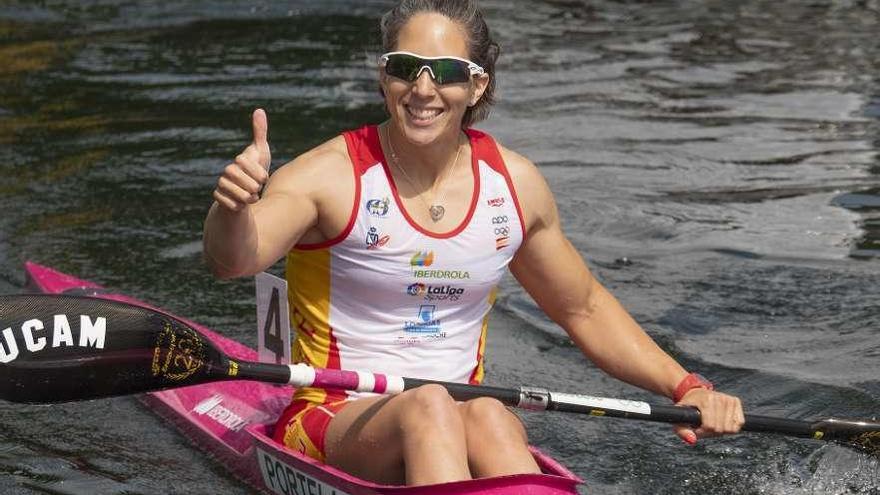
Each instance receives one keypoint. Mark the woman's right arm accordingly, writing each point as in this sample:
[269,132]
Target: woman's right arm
[245,232]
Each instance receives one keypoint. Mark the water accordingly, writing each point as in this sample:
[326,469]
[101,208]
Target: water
[727,150]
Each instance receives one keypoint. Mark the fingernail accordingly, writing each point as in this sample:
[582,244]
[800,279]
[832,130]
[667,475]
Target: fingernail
[690,438]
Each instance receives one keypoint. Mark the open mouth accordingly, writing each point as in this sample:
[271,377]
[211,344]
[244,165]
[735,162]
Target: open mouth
[422,115]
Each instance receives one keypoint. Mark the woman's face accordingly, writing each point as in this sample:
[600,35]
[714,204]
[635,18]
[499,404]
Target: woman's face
[423,110]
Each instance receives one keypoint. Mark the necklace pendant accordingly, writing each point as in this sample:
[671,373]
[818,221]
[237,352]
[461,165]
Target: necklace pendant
[437,212]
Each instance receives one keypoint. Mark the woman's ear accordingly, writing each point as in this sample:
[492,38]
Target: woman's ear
[383,78]
[481,82]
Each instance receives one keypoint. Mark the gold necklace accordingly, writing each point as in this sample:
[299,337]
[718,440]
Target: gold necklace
[436,210]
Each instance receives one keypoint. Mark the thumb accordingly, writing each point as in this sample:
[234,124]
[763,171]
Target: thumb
[261,132]
[686,433]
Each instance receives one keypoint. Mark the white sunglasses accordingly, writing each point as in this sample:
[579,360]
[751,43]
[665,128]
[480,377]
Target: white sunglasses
[444,70]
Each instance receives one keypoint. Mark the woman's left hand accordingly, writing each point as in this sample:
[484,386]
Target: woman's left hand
[722,414]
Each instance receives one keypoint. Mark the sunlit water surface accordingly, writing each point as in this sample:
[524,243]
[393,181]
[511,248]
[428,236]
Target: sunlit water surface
[715,163]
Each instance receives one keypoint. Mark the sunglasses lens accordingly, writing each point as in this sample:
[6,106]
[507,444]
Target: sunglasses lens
[404,67]
[449,70]
[444,70]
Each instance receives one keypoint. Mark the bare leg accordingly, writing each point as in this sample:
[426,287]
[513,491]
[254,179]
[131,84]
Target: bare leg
[417,437]
[492,430]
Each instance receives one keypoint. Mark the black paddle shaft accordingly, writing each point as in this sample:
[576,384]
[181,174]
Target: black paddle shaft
[864,435]
[57,348]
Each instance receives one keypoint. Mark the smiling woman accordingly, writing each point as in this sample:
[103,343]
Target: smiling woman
[480,46]
[724,152]
[464,206]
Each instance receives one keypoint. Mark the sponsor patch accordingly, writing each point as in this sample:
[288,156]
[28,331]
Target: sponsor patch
[36,336]
[416,289]
[426,258]
[374,240]
[422,258]
[212,408]
[179,353]
[441,274]
[435,292]
[501,229]
[378,207]
[426,322]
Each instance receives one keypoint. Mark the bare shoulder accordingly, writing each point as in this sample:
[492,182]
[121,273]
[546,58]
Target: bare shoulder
[313,171]
[534,194]
[319,183]
[520,168]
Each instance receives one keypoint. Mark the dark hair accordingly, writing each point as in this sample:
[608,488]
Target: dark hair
[481,48]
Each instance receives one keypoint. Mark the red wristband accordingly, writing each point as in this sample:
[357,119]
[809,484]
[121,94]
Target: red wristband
[688,383]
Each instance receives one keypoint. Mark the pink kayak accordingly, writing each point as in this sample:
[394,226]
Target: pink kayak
[232,421]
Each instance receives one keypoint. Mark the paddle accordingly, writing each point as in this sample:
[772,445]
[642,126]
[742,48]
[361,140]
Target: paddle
[56,348]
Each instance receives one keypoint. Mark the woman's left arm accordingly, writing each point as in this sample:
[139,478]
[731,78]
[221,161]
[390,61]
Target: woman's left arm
[554,274]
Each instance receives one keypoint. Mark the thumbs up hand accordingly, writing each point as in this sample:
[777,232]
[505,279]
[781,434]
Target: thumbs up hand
[241,181]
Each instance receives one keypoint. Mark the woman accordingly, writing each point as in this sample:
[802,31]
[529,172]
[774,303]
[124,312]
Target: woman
[396,236]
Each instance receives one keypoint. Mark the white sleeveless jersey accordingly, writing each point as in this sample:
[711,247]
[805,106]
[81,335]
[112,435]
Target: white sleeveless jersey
[388,296]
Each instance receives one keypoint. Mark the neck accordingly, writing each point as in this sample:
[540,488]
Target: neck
[426,163]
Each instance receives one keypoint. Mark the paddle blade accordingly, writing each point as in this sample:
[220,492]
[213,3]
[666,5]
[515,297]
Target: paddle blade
[869,442]
[861,434]
[63,348]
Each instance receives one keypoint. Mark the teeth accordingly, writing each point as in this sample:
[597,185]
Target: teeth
[423,113]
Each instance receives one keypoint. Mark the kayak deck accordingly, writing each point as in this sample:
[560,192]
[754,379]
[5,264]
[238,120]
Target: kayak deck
[232,421]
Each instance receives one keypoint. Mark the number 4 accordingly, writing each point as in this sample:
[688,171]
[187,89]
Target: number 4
[273,319]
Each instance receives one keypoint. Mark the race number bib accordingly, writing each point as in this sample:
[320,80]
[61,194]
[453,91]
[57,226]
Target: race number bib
[273,319]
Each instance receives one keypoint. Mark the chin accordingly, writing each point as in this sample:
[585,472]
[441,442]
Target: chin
[421,135]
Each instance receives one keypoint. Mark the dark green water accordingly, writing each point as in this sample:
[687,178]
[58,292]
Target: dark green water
[729,150]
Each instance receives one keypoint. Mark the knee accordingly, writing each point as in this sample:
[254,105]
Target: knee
[430,404]
[489,419]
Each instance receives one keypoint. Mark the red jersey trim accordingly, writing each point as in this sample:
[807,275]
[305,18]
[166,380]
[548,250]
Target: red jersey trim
[359,158]
[492,156]
[475,171]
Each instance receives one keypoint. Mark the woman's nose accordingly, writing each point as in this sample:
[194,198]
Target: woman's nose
[424,83]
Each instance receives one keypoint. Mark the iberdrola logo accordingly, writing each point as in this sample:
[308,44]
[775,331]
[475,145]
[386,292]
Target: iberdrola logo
[422,258]
[420,262]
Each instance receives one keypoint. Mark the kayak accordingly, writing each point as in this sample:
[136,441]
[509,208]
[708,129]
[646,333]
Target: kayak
[233,420]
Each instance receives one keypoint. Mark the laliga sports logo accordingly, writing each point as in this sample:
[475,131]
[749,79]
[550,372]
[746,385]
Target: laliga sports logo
[435,292]
[417,289]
